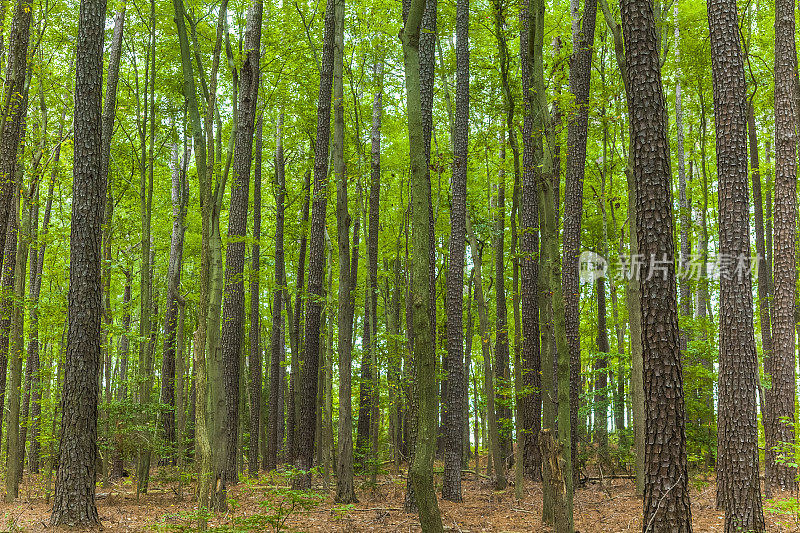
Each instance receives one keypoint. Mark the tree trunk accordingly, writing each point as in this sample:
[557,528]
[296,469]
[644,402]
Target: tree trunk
[424,356]
[666,497]
[456,398]
[233,308]
[580,72]
[483,321]
[276,350]
[16,441]
[780,363]
[14,93]
[530,57]
[738,485]
[75,482]
[254,358]
[316,260]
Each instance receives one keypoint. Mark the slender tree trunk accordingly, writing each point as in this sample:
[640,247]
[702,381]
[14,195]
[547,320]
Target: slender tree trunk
[233,308]
[254,359]
[530,57]
[75,482]
[14,93]
[276,357]
[180,201]
[421,472]
[483,321]
[16,439]
[580,72]
[316,271]
[454,406]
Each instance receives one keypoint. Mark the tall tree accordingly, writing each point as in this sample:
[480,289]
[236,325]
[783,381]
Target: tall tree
[233,308]
[180,201]
[530,55]
[276,353]
[14,91]
[580,72]
[424,356]
[456,399]
[666,488]
[738,485]
[316,258]
[74,503]
[254,356]
[779,365]
[345,491]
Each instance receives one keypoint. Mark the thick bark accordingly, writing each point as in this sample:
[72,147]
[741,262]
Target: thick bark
[580,72]
[780,363]
[666,495]
[233,307]
[531,56]
[75,482]
[316,260]
[7,304]
[254,356]
[738,485]
[456,398]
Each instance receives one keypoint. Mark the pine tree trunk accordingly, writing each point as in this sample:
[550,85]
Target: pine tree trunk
[75,482]
[738,485]
[666,497]
[780,364]
[577,131]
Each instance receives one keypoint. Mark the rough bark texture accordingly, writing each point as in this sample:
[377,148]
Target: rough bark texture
[580,71]
[780,363]
[666,490]
[233,308]
[738,485]
[75,481]
[529,246]
[316,259]
[254,355]
[456,394]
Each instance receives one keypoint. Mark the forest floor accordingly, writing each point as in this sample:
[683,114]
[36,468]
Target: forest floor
[260,504]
